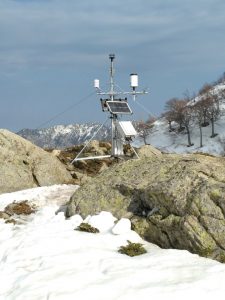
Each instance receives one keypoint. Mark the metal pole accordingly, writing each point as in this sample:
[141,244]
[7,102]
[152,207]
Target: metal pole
[113,117]
[114,136]
[112,57]
[112,133]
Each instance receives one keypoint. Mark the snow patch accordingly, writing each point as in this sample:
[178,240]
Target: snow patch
[104,221]
[40,196]
[47,259]
[123,226]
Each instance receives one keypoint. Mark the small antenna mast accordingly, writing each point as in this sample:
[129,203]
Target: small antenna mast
[113,116]
[112,57]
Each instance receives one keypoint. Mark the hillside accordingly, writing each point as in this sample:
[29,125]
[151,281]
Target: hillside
[176,142]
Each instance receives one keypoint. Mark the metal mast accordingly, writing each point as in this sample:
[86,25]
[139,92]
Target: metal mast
[112,57]
[113,116]
[112,94]
[122,131]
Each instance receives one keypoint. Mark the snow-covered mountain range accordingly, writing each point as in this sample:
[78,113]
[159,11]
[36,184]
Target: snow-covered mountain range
[62,136]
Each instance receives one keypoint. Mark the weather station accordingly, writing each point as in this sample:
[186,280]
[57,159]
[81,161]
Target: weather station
[115,103]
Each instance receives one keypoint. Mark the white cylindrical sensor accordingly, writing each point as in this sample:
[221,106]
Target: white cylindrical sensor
[134,80]
[96,83]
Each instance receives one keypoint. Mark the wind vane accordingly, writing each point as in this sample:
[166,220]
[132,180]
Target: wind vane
[121,131]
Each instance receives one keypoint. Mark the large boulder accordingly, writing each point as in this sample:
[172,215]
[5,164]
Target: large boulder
[174,201]
[24,165]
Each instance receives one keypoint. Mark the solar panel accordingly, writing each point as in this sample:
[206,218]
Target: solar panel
[119,107]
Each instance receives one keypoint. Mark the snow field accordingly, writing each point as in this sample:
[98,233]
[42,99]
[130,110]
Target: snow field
[45,258]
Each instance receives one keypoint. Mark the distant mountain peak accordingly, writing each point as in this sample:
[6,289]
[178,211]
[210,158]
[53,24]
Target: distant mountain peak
[62,136]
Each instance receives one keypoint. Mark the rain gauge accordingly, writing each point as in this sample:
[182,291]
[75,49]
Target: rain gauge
[115,103]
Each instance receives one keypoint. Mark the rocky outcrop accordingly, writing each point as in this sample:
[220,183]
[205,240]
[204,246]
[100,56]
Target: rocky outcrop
[82,170]
[174,201]
[24,165]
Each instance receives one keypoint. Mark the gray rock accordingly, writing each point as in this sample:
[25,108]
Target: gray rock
[24,165]
[175,201]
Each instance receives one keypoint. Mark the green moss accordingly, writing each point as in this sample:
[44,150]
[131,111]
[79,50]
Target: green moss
[87,228]
[132,249]
[140,225]
[117,205]
[222,258]
[206,252]
[118,202]
[215,194]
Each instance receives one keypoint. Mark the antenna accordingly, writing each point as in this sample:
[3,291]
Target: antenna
[121,131]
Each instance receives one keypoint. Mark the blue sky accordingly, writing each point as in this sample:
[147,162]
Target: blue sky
[51,50]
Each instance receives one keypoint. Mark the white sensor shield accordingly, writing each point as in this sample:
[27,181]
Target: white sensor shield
[134,80]
[96,83]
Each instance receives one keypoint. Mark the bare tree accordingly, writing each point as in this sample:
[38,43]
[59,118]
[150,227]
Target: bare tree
[170,108]
[198,109]
[173,109]
[144,128]
[178,113]
[213,111]
[170,104]
[168,115]
[209,105]
[221,79]
[181,113]
[205,89]
[187,122]
[205,95]
[221,96]
[188,116]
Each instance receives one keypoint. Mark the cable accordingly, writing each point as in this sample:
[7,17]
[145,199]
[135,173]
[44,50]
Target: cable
[67,109]
[88,142]
[154,116]
[141,105]
[146,110]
